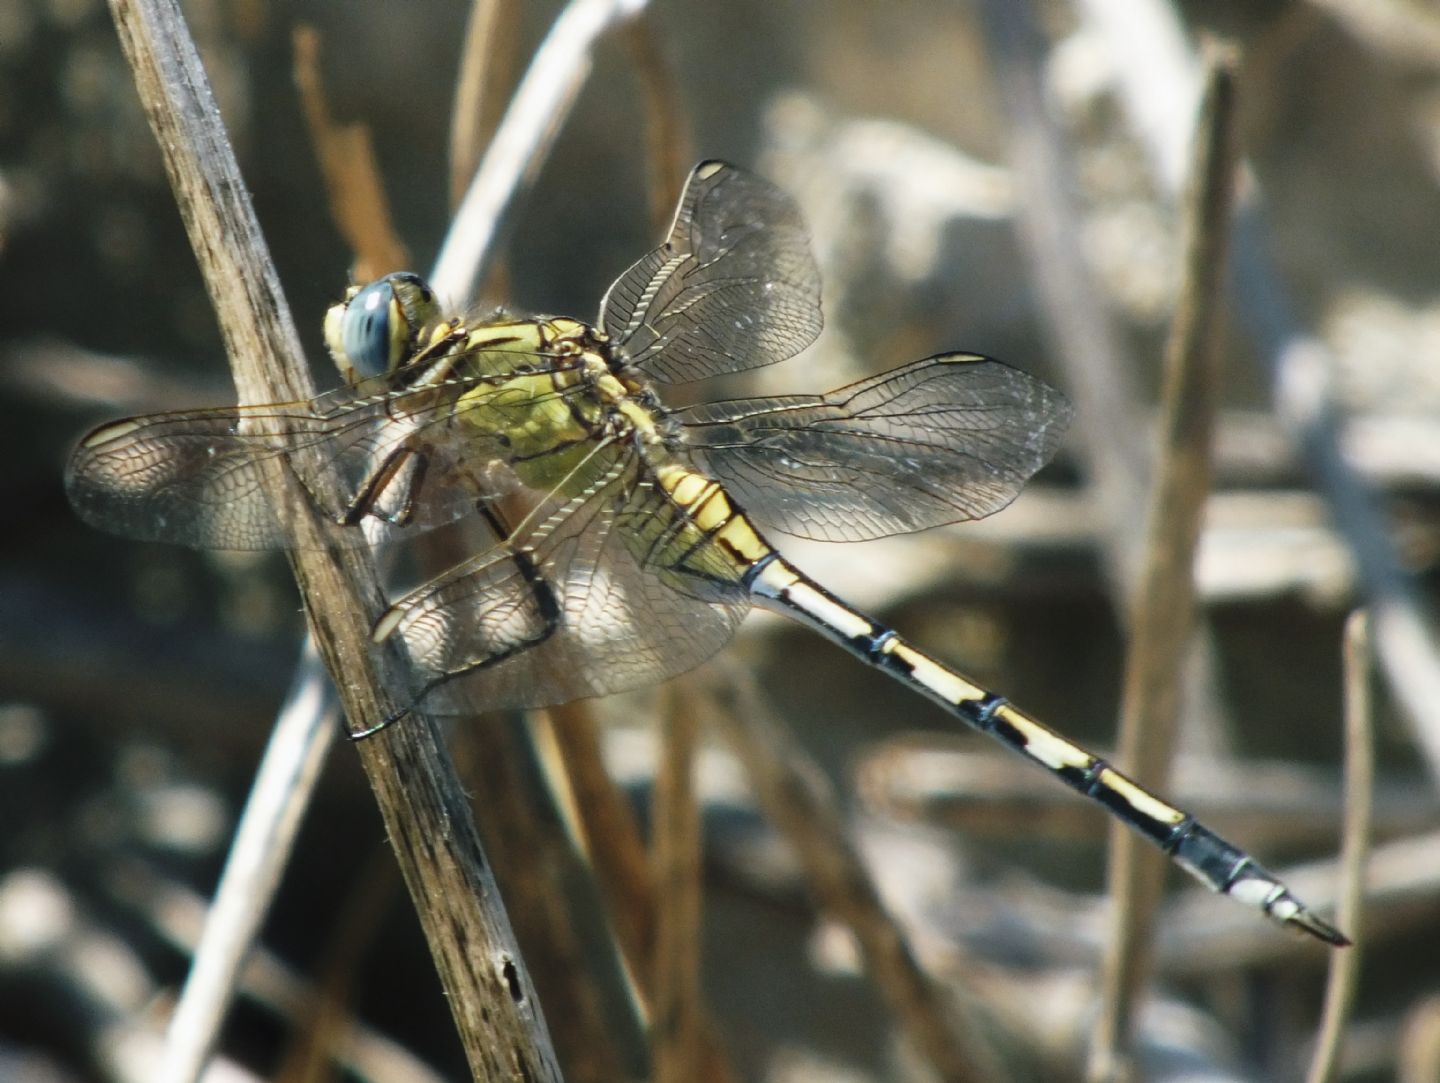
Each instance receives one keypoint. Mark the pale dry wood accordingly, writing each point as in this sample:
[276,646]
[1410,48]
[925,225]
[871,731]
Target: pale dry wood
[1299,365]
[608,831]
[1161,622]
[611,840]
[489,992]
[1354,851]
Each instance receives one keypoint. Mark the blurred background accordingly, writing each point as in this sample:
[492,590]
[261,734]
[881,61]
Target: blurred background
[137,682]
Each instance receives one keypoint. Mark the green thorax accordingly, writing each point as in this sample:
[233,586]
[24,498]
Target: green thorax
[542,391]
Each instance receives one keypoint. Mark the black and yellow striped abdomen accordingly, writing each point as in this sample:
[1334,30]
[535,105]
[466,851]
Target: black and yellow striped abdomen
[1216,863]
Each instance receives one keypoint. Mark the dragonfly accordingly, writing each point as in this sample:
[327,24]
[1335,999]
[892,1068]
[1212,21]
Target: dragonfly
[644,541]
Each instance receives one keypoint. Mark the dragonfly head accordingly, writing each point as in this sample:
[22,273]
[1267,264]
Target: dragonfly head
[376,327]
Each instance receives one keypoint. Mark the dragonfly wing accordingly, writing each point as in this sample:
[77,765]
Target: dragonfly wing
[733,287]
[950,438]
[577,602]
[392,464]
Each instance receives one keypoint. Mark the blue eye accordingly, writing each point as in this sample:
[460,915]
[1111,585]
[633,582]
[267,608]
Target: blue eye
[366,334]
[376,329]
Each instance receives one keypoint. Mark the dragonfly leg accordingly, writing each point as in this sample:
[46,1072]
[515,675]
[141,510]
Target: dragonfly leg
[433,647]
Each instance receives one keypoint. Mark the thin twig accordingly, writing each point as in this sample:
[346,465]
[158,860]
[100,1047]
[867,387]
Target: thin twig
[537,110]
[487,75]
[668,143]
[1161,622]
[608,832]
[1298,363]
[675,1027]
[792,791]
[605,826]
[420,800]
[487,63]
[264,841]
[346,155]
[1419,1056]
[1354,850]
[1084,339]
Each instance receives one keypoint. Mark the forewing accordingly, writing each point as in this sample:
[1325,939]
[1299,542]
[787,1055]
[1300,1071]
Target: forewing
[389,463]
[950,438]
[733,287]
[573,605]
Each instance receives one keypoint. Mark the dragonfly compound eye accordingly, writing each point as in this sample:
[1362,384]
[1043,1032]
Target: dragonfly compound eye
[372,330]
[376,327]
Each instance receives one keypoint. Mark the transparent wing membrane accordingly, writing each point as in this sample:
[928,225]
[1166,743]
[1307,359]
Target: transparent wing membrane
[395,464]
[950,438]
[733,287]
[579,603]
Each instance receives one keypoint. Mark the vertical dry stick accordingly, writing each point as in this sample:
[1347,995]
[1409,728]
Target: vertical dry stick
[611,838]
[791,790]
[424,811]
[347,164]
[1084,339]
[675,851]
[487,74]
[1354,849]
[1407,647]
[1418,1060]
[609,833]
[305,727]
[1161,622]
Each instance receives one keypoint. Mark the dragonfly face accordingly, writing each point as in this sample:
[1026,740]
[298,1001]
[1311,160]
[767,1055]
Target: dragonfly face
[636,561]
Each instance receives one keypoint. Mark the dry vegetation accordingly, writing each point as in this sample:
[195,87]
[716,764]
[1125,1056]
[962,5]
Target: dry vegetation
[782,868]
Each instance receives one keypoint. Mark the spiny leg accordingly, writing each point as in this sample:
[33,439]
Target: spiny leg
[1216,863]
[543,601]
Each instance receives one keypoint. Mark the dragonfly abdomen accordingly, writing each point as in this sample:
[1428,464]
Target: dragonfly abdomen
[1212,860]
[695,534]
